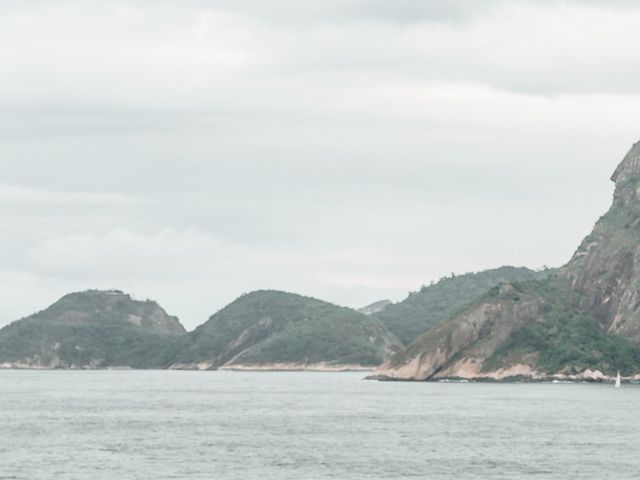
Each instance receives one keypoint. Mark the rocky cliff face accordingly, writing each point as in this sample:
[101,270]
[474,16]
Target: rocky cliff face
[577,325]
[433,304]
[461,346]
[606,269]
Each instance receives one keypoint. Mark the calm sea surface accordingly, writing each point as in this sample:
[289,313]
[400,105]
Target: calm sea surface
[126,425]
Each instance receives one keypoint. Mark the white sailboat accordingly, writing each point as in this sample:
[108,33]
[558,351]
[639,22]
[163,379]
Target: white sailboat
[618,380]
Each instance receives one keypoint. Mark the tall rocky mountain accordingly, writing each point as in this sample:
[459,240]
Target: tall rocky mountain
[605,269]
[434,303]
[92,329]
[582,323]
[280,330]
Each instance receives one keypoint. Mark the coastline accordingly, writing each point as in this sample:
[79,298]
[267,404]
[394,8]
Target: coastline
[297,367]
[510,376]
[269,367]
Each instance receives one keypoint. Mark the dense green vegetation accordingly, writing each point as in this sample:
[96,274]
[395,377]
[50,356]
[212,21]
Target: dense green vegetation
[565,339]
[101,329]
[322,339]
[272,327]
[96,329]
[113,343]
[433,304]
[110,305]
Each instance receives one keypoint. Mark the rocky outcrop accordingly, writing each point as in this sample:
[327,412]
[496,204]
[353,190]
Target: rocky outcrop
[458,348]
[605,269]
[375,307]
[558,329]
[435,303]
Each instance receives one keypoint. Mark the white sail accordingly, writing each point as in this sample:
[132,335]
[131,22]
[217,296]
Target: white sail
[618,380]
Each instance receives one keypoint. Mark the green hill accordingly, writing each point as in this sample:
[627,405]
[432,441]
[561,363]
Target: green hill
[433,304]
[92,329]
[272,327]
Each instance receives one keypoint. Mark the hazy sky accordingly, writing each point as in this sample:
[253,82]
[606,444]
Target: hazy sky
[190,151]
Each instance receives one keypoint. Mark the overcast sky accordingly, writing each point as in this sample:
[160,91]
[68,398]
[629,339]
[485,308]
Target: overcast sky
[351,150]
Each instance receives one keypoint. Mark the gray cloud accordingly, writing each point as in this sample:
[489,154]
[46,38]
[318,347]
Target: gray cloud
[304,12]
[192,151]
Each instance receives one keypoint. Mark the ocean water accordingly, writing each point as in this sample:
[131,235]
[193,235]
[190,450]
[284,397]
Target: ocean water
[128,425]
